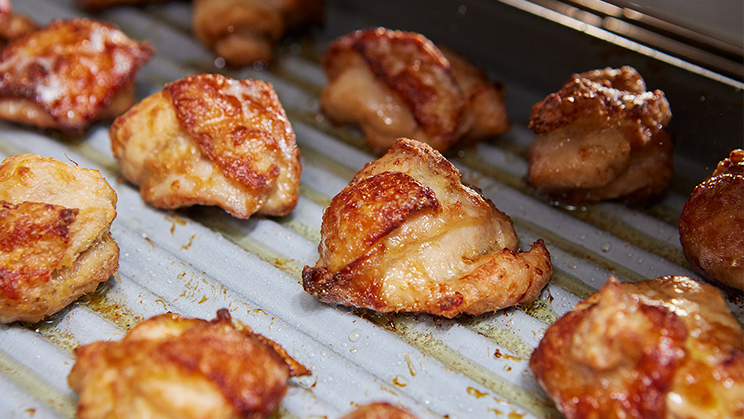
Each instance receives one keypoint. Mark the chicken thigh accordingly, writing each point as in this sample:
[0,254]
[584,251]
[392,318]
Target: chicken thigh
[399,84]
[600,137]
[69,74]
[711,226]
[211,140]
[55,243]
[243,32]
[663,348]
[171,366]
[407,236]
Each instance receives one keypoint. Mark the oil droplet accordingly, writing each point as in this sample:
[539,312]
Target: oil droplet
[410,366]
[400,381]
[515,415]
[476,393]
[355,335]
[499,354]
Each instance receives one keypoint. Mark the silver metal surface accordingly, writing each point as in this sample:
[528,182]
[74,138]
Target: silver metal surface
[198,260]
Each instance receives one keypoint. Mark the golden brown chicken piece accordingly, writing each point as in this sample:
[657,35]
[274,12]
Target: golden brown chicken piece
[600,137]
[246,31]
[407,235]
[711,226]
[211,140]
[13,25]
[69,74]
[378,410]
[104,4]
[662,348]
[399,84]
[175,367]
[55,243]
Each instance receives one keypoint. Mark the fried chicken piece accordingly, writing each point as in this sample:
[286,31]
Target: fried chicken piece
[55,243]
[211,140]
[69,74]
[601,137]
[13,25]
[378,410]
[170,366]
[663,348]
[407,236]
[712,222]
[246,31]
[399,84]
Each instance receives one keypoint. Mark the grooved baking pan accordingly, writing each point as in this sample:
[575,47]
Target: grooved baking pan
[198,260]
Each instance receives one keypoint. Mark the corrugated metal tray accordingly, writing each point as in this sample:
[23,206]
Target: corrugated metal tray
[198,260]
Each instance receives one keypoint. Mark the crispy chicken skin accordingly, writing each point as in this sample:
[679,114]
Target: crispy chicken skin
[69,74]
[246,31]
[663,348]
[211,140]
[407,236]
[378,410]
[711,225]
[170,366]
[13,25]
[399,84]
[55,243]
[601,137]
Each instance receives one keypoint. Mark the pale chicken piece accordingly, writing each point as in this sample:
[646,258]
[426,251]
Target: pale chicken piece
[55,240]
[69,74]
[662,348]
[601,137]
[211,140]
[379,410]
[712,223]
[13,25]
[399,84]
[407,236]
[243,32]
[171,366]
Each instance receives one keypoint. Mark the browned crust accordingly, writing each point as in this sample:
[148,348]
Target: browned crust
[66,73]
[371,208]
[392,205]
[66,284]
[626,347]
[250,370]
[589,95]
[33,241]
[712,222]
[241,134]
[411,66]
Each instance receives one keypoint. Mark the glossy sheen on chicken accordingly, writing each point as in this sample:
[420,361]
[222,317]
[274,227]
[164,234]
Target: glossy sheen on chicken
[378,410]
[211,140]
[600,137]
[243,32]
[175,367]
[69,74]
[55,243]
[711,226]
[662,348]
[399,84]
[407,236]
